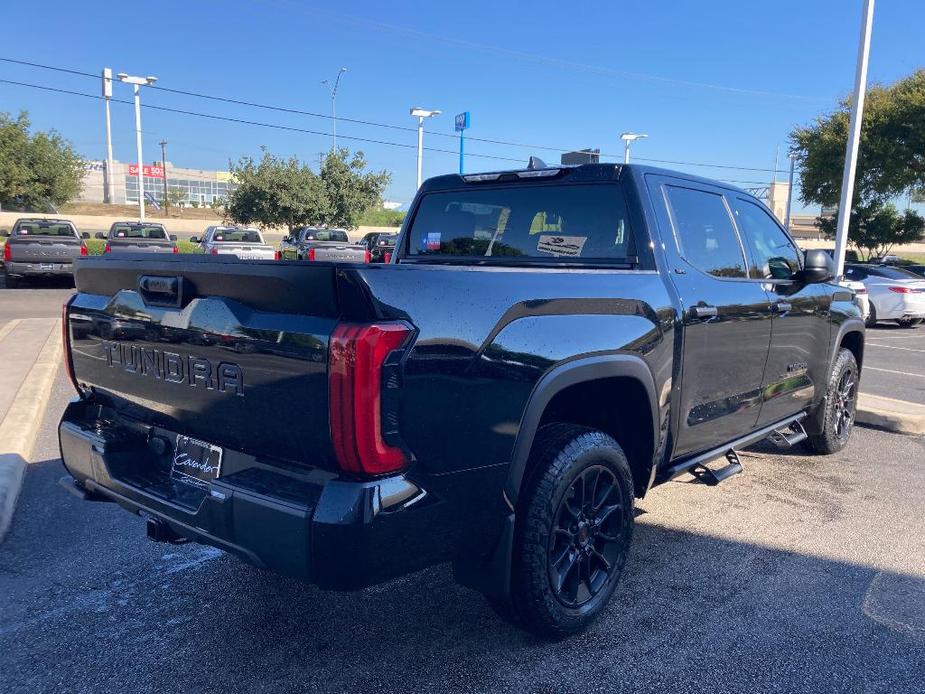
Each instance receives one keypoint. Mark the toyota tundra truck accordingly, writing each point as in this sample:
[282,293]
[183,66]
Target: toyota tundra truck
[544,347]
[41,248]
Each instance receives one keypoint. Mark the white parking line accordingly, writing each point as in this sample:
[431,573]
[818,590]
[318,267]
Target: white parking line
[904,349]
[895,337]
[891,371]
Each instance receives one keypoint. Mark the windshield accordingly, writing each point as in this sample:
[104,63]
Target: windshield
[39,228]
[237,236]
[893,273]
[561,222]
[138,231]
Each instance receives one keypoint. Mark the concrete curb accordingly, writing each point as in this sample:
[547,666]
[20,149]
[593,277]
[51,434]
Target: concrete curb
[21,424]
[893,415]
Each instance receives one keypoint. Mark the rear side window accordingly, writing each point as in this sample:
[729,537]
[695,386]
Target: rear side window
[43,229]
[772,253]
[137,231]
[562,222]
[705,235]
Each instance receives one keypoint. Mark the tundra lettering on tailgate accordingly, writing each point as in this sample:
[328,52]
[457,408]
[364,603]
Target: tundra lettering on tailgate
[225,377]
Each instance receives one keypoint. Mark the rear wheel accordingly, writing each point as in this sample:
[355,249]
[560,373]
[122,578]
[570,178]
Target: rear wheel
[841,403]
[573,532]
[908,322]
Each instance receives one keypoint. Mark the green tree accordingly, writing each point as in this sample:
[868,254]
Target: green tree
[876,228]
[351,191]
[276,192]
[891,162]
[36,169]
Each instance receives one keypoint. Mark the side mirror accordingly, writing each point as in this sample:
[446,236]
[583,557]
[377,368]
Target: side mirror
[173,237]
[192,239]
[99,235]
[817,267]
[84,235]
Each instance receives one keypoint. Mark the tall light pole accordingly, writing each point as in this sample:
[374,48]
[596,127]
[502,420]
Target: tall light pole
[421,114]
[163,144]
[333,90]
[627,138]
[793,159]
[854,139]
[138,83]
[107,95]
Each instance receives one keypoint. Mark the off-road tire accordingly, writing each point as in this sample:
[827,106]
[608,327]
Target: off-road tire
[841,400]
[564,458]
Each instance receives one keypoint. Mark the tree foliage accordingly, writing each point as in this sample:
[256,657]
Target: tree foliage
[891,162]
[36,169]
[286,192]
[876,228]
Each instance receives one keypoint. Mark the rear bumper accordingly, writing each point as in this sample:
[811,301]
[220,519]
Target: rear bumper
[337,533]
[20,269]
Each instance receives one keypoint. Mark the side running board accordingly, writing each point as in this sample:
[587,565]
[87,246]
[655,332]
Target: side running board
[789,436]
[712,477]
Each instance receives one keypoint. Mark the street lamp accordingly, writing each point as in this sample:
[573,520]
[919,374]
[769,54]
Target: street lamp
[627,138]
[138,83]
[333,90]
[421,114]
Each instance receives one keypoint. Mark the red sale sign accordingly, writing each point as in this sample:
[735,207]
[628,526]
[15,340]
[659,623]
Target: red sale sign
[151,171]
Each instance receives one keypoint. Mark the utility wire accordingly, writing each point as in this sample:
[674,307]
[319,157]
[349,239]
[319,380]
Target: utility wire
[357,121]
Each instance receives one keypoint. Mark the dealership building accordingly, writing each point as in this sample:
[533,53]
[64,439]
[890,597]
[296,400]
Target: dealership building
[189,185]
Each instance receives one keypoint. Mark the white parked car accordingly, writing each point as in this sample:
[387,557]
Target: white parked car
[245,243]
[895,294]
[861,297]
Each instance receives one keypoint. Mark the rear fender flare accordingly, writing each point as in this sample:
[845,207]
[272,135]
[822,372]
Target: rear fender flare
[563,376]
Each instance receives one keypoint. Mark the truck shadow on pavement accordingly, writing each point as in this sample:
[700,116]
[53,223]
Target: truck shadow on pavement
[89,604]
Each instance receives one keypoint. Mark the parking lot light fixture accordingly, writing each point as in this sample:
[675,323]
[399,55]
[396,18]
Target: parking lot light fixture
[627,138]
[421,114]
[137,83]
[333,89]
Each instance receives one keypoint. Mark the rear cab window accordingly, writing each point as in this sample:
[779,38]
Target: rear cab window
[561,223]
[237,236]
[44,228]
[138,231]
[338,235]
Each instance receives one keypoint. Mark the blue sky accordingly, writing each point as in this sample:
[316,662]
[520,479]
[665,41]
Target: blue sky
[710,82]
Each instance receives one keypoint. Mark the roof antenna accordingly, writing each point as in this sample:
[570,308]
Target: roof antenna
[536,163]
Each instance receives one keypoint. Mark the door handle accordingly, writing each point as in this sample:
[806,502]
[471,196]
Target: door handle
[781,307]
[704,312]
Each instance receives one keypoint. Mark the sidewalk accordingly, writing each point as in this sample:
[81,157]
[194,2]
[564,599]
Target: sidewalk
[30,356]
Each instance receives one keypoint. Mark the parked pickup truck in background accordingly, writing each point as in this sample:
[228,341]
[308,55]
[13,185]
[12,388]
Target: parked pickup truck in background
[545,346]
[41,248]
[139,237]
[244,243]
[316,244]
[380,246]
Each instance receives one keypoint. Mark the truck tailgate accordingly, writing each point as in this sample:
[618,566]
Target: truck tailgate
[231,353]
[343,253]
[49,249]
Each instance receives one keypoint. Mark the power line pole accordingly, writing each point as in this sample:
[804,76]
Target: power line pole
[333,90]
[789,194]
[163,144]
[107,95]
[854,140]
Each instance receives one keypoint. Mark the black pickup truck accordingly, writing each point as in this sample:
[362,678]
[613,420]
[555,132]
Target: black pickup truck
[544,346]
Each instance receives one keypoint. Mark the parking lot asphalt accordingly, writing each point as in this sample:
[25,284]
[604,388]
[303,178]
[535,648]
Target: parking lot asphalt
[804,574]
[40,299]
[895,363]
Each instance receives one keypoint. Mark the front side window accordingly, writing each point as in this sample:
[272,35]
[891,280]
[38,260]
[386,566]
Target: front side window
[774,257]
[704,232]
[550,222]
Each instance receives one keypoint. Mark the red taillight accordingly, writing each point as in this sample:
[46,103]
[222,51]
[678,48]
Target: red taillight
[357,355]
[311,254]
[175,249]
[861,290]
[7,252]
[388,257]
[901,290]
[367,256]
[66,337]
[277,255]
[84,251]
[107,249]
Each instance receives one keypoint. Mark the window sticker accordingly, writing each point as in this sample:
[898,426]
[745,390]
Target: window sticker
[569,246]
[431,241]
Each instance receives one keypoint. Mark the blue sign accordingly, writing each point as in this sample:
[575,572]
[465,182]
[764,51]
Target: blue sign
[462,121]
[150,198]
